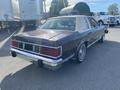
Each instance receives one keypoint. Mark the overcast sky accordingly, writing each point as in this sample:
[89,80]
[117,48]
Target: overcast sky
[95,5]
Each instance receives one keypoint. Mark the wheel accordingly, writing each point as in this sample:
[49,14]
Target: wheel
[81,53]
[40,63]
[13,54]
[102,39]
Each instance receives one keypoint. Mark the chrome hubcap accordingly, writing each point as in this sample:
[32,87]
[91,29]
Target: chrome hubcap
[82,53]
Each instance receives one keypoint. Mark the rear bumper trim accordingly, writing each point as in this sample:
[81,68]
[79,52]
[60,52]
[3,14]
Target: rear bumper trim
[52,61]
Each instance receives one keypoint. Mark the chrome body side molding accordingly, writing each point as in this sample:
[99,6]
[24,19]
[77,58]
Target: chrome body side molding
[93,43]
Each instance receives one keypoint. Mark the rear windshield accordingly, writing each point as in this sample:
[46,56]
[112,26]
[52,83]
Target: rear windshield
[67,23]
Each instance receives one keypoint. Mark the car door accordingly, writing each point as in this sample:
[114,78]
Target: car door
[85,29]
[95,29]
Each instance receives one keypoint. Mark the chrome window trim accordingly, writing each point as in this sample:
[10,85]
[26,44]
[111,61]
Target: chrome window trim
[39,46]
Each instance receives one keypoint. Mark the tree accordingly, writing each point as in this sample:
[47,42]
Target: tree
[113,9]
[56,6]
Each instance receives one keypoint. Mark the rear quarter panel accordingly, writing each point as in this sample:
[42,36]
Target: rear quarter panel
[71,43]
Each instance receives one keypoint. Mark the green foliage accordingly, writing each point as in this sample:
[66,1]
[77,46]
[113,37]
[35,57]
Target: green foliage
[113,9]
[56,6]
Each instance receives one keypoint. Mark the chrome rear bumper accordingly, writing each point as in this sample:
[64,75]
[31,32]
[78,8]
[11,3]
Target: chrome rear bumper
[33,57]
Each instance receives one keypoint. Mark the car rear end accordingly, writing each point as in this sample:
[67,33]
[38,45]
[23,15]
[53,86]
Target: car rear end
[50,55]
[48,43]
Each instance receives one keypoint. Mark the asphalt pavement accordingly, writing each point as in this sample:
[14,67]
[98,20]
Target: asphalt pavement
[100,71]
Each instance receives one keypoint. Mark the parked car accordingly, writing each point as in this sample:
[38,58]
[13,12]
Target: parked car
[118,19]
[106,19]
[59,39]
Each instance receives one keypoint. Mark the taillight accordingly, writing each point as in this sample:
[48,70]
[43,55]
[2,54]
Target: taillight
[15,43]
[52,52]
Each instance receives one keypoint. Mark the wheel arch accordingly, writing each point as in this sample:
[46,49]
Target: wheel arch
[82,42]
[100,20]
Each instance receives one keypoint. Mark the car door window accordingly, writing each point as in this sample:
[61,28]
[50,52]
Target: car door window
[93,23]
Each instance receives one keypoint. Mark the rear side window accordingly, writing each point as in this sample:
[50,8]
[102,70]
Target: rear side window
[83,24]
[93,23]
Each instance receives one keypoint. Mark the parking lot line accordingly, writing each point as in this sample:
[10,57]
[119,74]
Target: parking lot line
[6,40]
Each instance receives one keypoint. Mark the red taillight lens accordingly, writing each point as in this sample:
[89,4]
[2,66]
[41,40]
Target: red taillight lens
[53,52]
[15,43]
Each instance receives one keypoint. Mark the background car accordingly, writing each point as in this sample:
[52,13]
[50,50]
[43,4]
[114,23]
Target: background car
[118,20]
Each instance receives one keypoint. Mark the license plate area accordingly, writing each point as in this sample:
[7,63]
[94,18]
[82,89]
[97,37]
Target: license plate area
[28,47]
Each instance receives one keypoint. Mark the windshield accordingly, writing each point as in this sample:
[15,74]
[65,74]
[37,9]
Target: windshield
[68,23]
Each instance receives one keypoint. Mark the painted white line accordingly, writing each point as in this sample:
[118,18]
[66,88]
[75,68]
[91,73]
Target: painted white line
[4,41]
[21,30]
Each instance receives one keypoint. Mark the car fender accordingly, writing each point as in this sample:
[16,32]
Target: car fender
[81,42]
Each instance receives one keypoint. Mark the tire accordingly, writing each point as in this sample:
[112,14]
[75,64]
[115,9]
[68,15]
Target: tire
[40,63]
[81,53]
[102,39]
[13,54]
